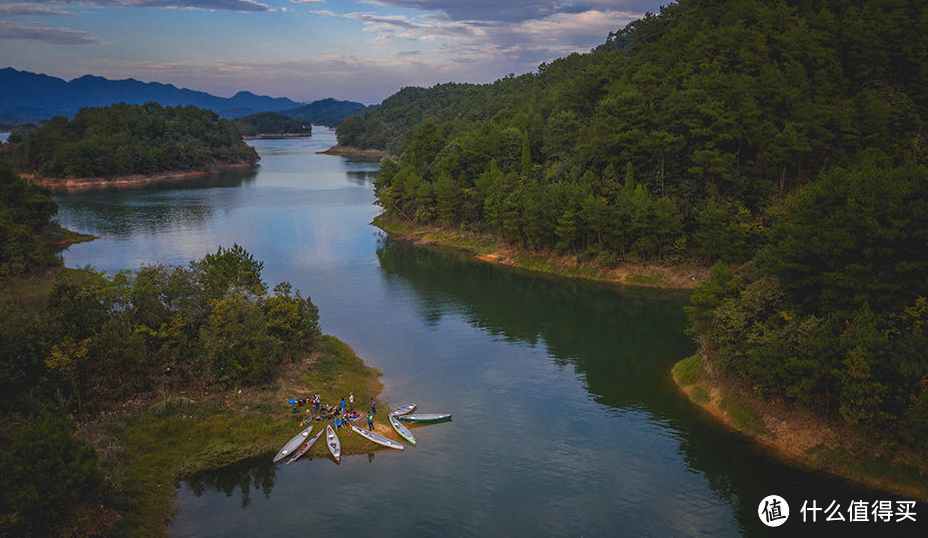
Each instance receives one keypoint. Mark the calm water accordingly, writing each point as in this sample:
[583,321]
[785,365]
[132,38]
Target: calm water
[565,422]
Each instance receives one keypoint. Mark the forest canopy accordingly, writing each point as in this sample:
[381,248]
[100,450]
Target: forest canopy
[832,313]
[25,211]
[129,139]
[98,339]
[674,139]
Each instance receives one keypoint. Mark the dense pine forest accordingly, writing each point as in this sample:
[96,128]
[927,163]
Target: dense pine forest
[785,139]
[129,139]
[672,140]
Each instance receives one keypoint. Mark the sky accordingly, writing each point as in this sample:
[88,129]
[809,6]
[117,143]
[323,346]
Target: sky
[303,49]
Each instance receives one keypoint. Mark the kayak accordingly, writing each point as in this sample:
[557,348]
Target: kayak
[402,430]
[335,447]
[305,447]
[377,438]
[405,410]
[292,444]
[425,418]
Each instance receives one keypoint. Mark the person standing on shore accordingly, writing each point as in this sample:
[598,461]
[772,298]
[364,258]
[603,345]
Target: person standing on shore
[343,405]
[373,407]
[351,400]
[370,422]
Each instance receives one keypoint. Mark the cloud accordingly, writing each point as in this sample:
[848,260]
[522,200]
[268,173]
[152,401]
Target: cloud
[57,36]
[307,1]
[514,10]
[524,44]
[29,9]
[387,27]
[230,5]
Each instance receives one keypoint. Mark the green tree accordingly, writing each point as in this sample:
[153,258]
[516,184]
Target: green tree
[44,473]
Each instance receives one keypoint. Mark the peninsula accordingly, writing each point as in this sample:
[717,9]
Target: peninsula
[124,144]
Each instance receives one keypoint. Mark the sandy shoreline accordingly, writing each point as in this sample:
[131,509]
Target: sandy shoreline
[801,437]
[493,250]
[129,180]
[263,136]
[349,151]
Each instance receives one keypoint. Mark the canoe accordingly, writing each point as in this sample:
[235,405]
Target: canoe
[425,417]
[292,444]
[402,430]
[335,447]
[377,438]
[405,410]
[305,447]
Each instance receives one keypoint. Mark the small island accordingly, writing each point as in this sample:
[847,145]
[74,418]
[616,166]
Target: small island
[271,125]
[126,144]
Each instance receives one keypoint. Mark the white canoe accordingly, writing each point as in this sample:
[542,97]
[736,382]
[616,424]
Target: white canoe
[377,438]
[402,430]
[292,444]
[335,447]
[305,447]
[434,417]
[403,410]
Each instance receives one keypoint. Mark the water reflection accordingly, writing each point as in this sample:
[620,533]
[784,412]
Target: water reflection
[623,343]
[150,208]
[604,334]
[258,474]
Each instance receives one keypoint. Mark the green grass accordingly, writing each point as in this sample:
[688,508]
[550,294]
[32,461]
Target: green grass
[339,372]
[160,449]
[479,245]
[177,437]
[392,226]
[30,291]
[743,418]
[878,472]
[654,279]
[698,395]
[53,233]
[688,371]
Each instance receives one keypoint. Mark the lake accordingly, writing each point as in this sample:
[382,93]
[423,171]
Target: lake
[566,421]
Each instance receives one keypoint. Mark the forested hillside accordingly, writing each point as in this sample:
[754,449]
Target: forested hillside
[672,140]
[789,135]
[325,111]
[270,123]
[129,139]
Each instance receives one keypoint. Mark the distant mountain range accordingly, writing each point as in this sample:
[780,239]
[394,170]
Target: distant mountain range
[30,97]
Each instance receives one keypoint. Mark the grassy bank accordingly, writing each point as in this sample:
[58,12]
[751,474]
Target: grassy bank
[803,437]
[493,250]
[349,151]
[55,236]
[147,450]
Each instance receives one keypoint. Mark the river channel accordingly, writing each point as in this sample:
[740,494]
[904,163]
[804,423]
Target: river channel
[566,421]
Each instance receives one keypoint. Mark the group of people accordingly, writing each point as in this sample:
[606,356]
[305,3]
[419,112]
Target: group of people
[323,411]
